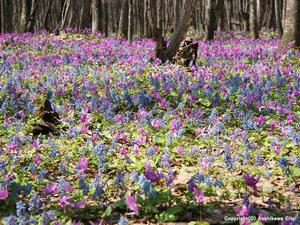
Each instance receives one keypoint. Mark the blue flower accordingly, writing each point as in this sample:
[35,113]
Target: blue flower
[123,221]
[27,188]
[246,200]
[53,153]
[119,179]
[48,217]
[35,203]
[283,163]
[98,191]
[84,186]
[31,167]
[20,208]
[41,176]
[11,220]
[135,176]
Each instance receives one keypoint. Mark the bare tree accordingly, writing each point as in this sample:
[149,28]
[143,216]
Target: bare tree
[292,24]
[130,20]
[24,13]
[210,20]
[123,19]
[164,52]
[96,24]
[253,19]
[278,11]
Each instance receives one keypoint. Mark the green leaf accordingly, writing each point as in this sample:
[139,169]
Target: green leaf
[257,223]
[198,223]
[176,209]
[295,171]
[107,212]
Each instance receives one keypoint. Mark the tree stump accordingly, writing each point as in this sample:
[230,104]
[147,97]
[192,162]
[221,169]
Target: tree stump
[50,120]
[186,53]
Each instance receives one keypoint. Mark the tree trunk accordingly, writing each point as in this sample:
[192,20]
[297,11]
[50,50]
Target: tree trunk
[292,24]
[278,17]
[130,20]
[168,53]
[84,21]
[253,19]
[210,20]
[176,13]
[23,20]
[228,5]
[220,15]
[96,16]
[122,19]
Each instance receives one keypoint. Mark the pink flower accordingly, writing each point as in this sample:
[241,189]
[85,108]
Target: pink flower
[84,118]
[180,150]
[204,164]
[136,148]
[272,124]
[262,216]
[290,119]
[199,196]
[36,143]
[64,201]
[94,137]
[132,204]
[123,150]
[3,194]
[84,128]
[260,120]
[12,146]
[163,104]
[138,141]
[143,113]
[175,125]
[244,211]
[21,114]
[245,222]
[37,159]
[277,149]
[82,164]
[156,123]
[119,118]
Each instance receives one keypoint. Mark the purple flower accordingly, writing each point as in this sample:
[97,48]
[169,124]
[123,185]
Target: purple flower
[192,187]
[12,146]
[37,159]
[123,150]
[136,148]
[199,196]
[51,188]
[36,143]
[64,201]
[79,205]
[175,125]
[82,164]
[156,123]
[287,222]
[251,181]
[3,194]
[132,204]
[245,222]
[180,150]
[119,118]
[244,211]
[262,216]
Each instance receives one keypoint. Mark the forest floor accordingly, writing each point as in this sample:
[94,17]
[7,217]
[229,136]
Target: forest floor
[94,129]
